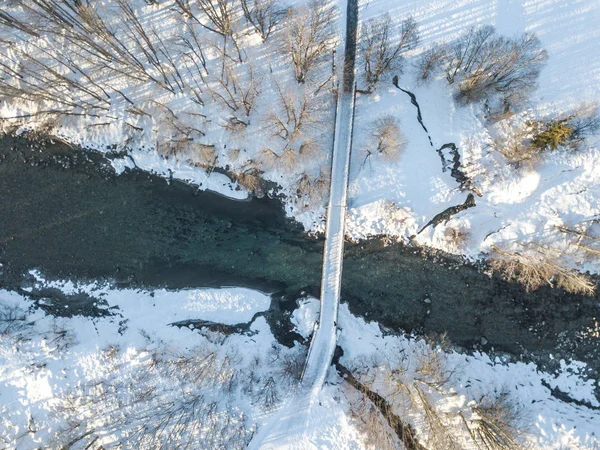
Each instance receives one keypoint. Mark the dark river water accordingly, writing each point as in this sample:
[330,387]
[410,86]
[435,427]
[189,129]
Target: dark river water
[65,212]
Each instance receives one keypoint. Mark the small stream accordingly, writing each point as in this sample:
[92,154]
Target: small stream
[66,213]
[451,161]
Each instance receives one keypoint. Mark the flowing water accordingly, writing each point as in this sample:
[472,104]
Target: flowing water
[65,212]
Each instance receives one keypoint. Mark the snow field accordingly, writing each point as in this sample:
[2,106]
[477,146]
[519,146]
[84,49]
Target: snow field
[131,378]
[547,423]
[61,378]
[392,197]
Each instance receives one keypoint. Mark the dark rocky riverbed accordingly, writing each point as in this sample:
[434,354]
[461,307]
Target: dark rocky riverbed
[65,212]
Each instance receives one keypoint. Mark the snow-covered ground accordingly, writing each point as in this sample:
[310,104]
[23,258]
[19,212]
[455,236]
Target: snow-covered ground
[525,205]
[393,197]
[105,379]
[116,378]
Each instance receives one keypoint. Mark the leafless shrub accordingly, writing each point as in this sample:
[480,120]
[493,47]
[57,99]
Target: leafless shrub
[584,122]
[269,395]
[456,237]
[60,336]
[488,424]
[523,143]
[292,365]
[311,149]
[371,423]
[495,424]
[263,15]
[235,93]
[252,181]
[288,159]
[430,63]
[440,434]
[172,126]
[431,369]
[386,137]
[311,191]
[584,236]
[205,155]
[309,36]
[268,158]
[234,154]
[514,144]
[380,51]
[537,266]
[12,318]
[292,114]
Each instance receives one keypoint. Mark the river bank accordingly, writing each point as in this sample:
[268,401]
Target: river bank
[66,213]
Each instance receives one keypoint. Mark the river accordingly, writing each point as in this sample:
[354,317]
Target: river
[65,212]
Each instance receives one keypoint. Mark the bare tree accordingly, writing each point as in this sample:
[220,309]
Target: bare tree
[263,15]
[220,14]
[310,35]
[430,63]
[380,51]
[485,64]
[464,51]
[293,112]
[8,20]
[386,137]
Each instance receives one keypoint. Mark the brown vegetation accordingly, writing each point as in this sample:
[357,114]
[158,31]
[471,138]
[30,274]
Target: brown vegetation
[381,51]
[310,35]
[536,266]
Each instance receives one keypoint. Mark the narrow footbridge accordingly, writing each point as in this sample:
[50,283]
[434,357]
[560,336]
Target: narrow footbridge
[286,428]
[323,343]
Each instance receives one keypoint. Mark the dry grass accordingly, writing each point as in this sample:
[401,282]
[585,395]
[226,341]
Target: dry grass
[457,237]
[535,267]
[376,431]
[494,426]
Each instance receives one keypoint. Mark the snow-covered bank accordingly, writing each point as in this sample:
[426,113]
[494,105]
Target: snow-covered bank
[175,136]
[546,422]
[132,379]
[113,379]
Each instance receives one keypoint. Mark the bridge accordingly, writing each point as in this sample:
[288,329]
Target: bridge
[285,428]
[323,343]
